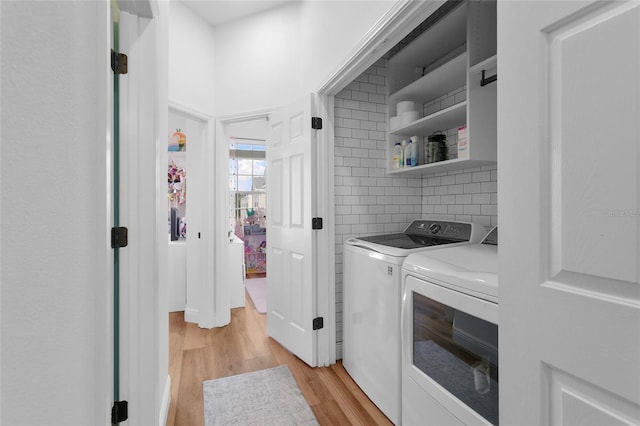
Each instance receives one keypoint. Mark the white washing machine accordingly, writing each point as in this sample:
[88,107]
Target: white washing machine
[450,336]
[371,303]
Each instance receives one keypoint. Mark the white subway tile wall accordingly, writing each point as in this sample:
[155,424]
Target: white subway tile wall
[369,202]
[469,195]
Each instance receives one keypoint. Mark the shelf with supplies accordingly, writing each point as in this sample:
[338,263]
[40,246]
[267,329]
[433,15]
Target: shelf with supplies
[454,96]
[441,166]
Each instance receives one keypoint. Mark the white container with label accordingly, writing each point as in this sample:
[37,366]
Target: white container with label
[396,156]
[463,143]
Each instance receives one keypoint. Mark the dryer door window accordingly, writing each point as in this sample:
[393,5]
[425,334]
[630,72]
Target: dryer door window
[459,352]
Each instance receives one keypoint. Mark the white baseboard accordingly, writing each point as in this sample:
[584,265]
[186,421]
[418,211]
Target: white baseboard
[191,315]
[338,350]
[165,403]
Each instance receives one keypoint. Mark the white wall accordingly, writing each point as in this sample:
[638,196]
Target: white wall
[55,279]
[56,307]
[191,60]
[252,129]
[273,58]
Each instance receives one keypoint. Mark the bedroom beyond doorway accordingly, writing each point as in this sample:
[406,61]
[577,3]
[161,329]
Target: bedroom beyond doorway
[248,201]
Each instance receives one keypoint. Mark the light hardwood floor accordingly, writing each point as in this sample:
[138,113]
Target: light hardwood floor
[196,355]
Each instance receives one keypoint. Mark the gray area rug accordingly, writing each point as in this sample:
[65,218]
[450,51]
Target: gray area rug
[265,397]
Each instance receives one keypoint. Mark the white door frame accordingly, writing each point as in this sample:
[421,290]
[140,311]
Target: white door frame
[204,312]
[144,380]
[325,238]
[104,300]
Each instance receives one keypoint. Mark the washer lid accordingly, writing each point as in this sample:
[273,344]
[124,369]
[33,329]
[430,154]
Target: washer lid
[387,250]
[407,241]
[471,269]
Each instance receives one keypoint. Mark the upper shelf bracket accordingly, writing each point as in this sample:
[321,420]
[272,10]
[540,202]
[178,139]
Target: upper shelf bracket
[488,80]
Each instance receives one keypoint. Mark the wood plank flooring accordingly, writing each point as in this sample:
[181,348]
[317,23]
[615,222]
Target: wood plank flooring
[196,355]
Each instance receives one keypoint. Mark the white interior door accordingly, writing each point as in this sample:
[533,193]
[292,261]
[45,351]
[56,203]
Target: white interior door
[290,256]
[569,136]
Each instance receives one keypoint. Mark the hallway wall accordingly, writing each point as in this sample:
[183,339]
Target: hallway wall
[191,60]
[55,281]
[275,57]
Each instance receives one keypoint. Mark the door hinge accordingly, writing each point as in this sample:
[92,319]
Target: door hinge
[119,237]
[119,412]
[316,223]
[118,62]
[316,123]
[318,323]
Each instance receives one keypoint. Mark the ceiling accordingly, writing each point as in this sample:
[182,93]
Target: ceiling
[218,12]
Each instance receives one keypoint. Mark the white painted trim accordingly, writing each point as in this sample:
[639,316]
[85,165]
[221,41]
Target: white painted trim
[190,111]
[205,313]
[245,116]
[103,320]
[191,315]
[339,349]
[222,295]
[162,117]
[144,330]
[211,236]
[165,403]
[144,341]
[220,175]
[325,239]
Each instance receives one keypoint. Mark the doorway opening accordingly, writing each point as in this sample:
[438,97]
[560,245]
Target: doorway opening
[248,203]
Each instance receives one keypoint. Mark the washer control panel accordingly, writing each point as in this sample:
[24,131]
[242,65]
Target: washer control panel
[435,228]
[439,228]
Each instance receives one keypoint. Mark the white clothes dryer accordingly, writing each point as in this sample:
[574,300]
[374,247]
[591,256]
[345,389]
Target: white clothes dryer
[450,336]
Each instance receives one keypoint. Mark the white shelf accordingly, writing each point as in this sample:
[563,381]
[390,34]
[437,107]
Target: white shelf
[441,166]
[449,118]
[443,79]
[490,63]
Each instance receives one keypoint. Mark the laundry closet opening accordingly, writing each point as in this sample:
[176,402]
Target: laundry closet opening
[248,205]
